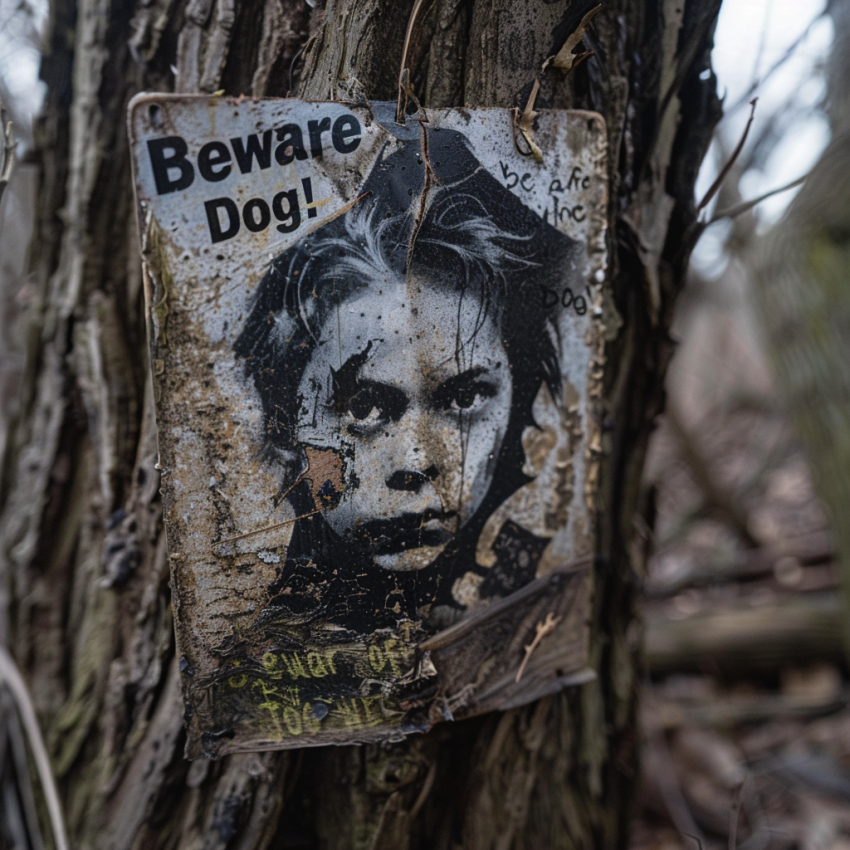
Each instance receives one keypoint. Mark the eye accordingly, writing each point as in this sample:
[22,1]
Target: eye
[466,396]
[467,391]
[361,405]
[472,396]
[375,404]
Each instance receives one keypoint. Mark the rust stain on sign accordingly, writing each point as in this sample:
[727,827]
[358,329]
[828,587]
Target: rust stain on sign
[377,351]
[324,470]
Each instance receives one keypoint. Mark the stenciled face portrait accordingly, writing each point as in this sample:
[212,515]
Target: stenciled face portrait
[399,353]
[410,381]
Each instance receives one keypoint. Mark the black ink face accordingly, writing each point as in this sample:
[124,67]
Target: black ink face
[415,363]
[416,392]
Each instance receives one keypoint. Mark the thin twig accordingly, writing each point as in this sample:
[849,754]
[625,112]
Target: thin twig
[565,60]
[409,94]
[745,206]
[271,527]
[279,497]
[7,149]
[769,129]
[292,66]
[341,211]
[403,88]
[744,98]
[28,833]
[724,172]
[12,679]
[525,123]
[514,128]
[543,629]
[765,29]
[427,785]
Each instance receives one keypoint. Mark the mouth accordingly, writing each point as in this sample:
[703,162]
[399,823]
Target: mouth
[406,531]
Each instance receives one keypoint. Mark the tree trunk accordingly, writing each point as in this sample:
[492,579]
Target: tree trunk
[81,540]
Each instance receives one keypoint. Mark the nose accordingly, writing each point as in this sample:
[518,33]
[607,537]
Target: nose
[411,479]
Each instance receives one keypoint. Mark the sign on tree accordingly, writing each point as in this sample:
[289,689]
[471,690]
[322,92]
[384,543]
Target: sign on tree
[376,352]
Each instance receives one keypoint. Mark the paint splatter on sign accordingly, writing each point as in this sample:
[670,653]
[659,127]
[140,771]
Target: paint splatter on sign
[376,351]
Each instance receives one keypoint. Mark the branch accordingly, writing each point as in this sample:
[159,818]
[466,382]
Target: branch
[744,206]
[404,88]
[7,149]
[565,60]
[775,67]
[741,641]
[812,550]
[724,173]
[525,124]
[542,629]
[11,679]
[272,527]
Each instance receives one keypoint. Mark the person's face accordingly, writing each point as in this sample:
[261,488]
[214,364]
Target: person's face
[411,385]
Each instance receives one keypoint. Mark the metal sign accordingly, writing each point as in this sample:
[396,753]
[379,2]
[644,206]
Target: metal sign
[375,350]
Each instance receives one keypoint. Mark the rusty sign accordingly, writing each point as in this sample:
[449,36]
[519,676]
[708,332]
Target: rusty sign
[376,350]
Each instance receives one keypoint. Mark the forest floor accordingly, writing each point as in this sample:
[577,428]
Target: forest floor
[746,704]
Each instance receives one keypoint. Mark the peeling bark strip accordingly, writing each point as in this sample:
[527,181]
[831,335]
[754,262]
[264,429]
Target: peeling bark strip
[7,149]
[374,424]
[100,661]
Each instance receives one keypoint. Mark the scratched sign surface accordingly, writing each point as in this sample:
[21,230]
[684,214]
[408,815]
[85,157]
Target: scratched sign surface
[376,351]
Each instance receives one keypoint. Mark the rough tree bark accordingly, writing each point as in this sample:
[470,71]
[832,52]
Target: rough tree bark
[81,539]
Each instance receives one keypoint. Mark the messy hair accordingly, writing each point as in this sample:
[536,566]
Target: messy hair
[457,246]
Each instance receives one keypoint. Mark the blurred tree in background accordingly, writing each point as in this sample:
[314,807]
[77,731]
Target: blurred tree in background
[803,289]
